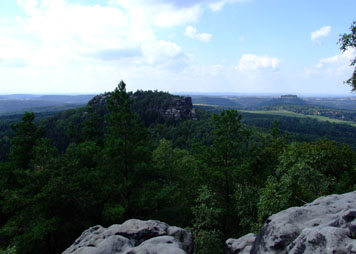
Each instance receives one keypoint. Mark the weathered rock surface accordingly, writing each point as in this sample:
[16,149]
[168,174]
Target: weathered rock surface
[327,226]
[242,245]
[133,237]
[180,107]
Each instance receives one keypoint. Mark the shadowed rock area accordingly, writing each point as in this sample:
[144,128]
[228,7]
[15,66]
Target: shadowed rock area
[327,225]
[133,237]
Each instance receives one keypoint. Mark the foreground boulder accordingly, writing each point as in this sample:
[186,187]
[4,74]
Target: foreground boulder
[133,237]
[327,226]
[242,245]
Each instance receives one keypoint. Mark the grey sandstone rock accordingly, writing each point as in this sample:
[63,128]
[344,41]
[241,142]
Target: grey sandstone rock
[160,244]
[139,230]
[327,226]
[133,237]
[242,245]
[183,236]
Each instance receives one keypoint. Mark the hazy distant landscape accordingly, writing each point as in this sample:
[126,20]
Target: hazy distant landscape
[13,104]
[18,104]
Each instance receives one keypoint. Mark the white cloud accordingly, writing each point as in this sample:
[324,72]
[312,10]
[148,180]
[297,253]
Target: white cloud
[338,65]
[89,47]
[323,32]
[162,13]
[192,33]
[13,63]
[218,5]
[163,53]
[118,28]
[169,16]
[250,62]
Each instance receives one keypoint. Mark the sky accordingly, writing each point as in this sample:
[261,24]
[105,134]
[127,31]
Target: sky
[205,46]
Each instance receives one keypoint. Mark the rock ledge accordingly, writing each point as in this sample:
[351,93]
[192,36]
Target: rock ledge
[133,237]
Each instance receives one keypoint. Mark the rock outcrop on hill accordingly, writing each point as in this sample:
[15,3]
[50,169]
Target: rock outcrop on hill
[327,226]
[179,107]
[133,237]
[166,105]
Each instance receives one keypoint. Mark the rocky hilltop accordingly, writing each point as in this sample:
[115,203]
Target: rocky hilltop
[156,104]
[327,226]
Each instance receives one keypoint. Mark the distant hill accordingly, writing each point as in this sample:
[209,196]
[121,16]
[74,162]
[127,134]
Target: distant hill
[284,99]
[334,102]
[215,101]
[19,103]
[67,98]
[244,102]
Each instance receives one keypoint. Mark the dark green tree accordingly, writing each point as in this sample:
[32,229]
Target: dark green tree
[26,135]
[172,190]
[208,239]
[306,171]
[224,164]
[126,158]
[93,126]
[262,161]
[29,223]
[349,41]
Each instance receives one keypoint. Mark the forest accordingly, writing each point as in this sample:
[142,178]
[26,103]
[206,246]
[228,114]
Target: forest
[150,155]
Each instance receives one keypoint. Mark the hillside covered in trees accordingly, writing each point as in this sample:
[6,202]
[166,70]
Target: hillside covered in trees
[151,155]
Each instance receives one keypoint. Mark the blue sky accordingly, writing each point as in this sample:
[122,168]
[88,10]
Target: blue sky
[241,46]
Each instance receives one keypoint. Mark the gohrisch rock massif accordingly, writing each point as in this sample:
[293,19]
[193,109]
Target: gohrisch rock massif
[174,106]
[327,226]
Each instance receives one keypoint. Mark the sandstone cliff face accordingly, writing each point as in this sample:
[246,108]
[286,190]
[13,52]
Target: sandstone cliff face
[325,226]
[180,107]
[133,237]
[177,107]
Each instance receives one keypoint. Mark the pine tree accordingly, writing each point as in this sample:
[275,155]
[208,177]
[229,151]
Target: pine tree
[127,152]
[26,135]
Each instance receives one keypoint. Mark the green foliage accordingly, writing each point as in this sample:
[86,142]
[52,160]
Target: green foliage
[207,237]
[225,165]
[229,137]
[171,193]
[270,200]
[114,212]
[245,200]
[9,250]
[349,41]
[93,126]
[306,171]
[126,153]
[22,144]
